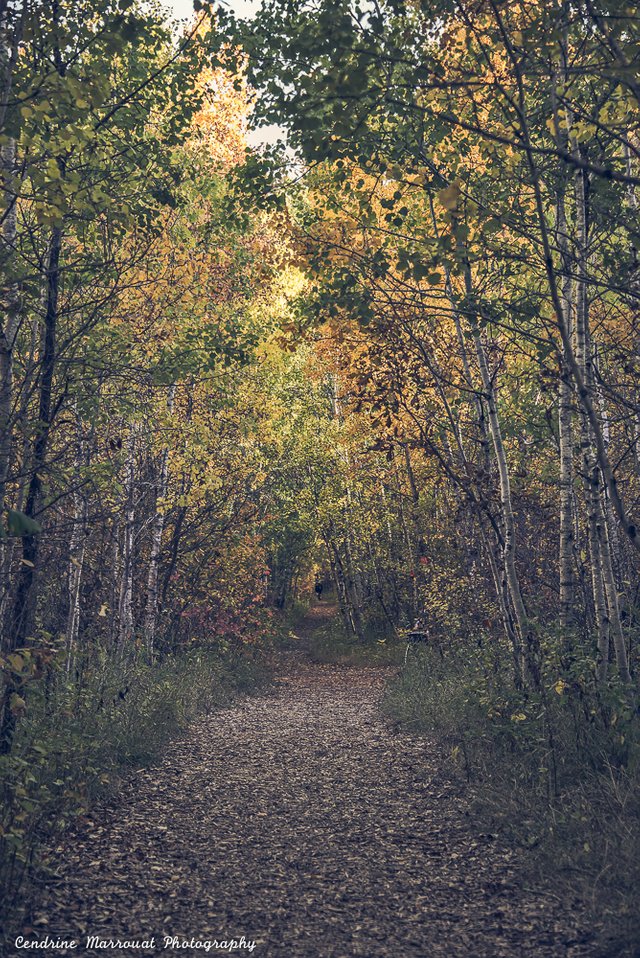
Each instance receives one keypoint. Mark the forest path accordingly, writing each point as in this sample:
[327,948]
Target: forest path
[302,821]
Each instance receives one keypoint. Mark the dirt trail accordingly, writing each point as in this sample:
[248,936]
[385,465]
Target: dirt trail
[301,821]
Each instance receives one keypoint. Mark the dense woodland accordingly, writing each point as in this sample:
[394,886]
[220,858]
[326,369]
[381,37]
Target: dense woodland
[399,355]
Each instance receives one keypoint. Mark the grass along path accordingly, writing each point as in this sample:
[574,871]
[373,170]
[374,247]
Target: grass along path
[302,821]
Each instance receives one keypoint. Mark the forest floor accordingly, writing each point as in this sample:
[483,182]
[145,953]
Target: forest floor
[302,821]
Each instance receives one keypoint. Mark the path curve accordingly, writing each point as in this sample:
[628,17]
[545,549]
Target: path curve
[302,821]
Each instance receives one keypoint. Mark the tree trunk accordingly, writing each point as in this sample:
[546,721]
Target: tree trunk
[24,606]
[608,623]
[23,619]
[157,528]
[125,602]
[565,435]
[8,334]
[525,633]
[77,548]
[338,580]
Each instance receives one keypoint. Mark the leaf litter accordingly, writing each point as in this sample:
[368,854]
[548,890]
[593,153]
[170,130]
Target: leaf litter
[302,820]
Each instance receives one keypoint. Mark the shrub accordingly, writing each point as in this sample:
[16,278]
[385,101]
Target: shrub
[556,771]
[74,742]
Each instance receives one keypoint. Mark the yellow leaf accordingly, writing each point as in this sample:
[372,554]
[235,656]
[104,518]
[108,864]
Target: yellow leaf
[16,662]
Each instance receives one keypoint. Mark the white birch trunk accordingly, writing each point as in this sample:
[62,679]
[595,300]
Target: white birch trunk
[508,521]
[565,435]
[77,548]
[125,604]
[514,630]
[157,527]
[609,624]
[77,545]
[8,333]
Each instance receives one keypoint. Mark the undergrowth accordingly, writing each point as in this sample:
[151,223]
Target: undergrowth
[77,739]
[555,772]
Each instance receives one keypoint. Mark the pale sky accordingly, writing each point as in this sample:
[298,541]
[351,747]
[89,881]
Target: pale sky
[183,10]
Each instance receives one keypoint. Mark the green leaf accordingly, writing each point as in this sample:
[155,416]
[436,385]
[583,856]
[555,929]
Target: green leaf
[17,704]
[18,524]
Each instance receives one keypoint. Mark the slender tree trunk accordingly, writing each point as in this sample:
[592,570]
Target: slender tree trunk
[478,401]
[157,528]
[11,30]
[339,582]
[174,550]
[24,606]
[583,385]
[609,624]
[565,435]
[125,602]
[525,634]
[410,548]
[415,496]
[23,619]
[352,594]
[475,480]
[567,541]
[632,204]
[77,545]
[344,585]
[9,329]
[21,457]
[610,521]
[77,548]
[508,521]
[350,573]
[8,333]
